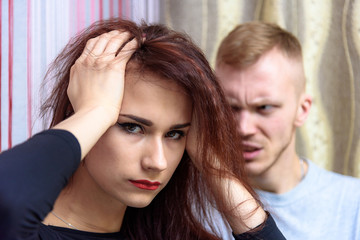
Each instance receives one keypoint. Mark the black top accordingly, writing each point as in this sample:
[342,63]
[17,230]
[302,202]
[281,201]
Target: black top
[33,173]
[266,231]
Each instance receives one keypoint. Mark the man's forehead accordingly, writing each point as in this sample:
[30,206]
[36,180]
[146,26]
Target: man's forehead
[253,96]
[270,78]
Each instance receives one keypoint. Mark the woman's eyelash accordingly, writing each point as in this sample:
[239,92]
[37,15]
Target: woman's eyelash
[134,128]
[176,134]
[131,128]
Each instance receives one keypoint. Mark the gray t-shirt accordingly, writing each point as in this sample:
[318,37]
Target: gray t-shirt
[324,205]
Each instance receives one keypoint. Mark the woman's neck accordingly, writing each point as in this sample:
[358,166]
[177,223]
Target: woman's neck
[83,204]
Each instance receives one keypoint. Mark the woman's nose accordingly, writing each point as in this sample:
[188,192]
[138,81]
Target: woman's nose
[154,157]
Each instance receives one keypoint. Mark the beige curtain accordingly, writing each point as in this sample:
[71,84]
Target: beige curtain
[329,31]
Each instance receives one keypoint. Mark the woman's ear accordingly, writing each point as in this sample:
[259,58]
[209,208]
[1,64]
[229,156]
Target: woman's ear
[303,110]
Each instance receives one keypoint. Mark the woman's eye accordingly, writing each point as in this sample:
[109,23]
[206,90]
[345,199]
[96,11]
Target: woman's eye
[131,127]
[175,135]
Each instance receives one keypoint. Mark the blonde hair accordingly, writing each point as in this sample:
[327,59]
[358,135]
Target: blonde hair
[247,42]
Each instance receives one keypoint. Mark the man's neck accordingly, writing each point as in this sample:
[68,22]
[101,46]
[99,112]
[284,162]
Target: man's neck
[282,176]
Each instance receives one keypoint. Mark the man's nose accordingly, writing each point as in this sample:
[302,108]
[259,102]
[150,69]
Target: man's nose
[246,123]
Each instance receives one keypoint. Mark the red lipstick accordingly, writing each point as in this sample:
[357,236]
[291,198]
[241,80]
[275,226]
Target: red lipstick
[145,184]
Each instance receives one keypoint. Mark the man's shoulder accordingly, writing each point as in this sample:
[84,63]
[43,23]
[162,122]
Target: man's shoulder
[336,181]
[331,174]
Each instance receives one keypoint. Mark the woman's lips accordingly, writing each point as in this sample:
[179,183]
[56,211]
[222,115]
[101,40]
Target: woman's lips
[145,184]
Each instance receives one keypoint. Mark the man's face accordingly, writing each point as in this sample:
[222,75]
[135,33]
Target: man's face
[266,105]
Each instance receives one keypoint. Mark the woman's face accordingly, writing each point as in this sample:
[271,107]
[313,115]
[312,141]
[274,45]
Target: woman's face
[134,160]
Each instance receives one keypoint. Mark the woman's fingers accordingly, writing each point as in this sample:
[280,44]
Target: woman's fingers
[102,42]
[126,52]
[115,42]
[97,77]
[88,48]
[101,50]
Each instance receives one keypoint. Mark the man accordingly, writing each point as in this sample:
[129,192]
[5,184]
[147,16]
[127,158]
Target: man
[260,68]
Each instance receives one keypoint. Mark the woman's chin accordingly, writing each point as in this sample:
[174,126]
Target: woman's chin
[140,202]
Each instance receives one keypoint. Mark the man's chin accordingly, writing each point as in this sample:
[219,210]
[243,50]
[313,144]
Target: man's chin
[253,168]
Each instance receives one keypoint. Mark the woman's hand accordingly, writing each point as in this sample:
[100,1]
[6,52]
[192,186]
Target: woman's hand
[96,87]
[97,77]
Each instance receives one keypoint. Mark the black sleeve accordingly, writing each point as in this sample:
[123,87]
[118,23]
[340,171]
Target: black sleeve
[32,174]
[266,231]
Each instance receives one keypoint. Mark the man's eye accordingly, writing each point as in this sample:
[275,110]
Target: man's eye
[131,127]
[235,109]
[265,108]
[175,135]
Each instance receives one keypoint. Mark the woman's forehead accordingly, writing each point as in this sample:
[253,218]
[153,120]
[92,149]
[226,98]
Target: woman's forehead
[156,99]
[134,76]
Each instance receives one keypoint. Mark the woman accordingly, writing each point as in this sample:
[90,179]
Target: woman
[140,106]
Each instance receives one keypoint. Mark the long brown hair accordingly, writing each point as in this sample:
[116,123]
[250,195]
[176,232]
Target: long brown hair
[173,56]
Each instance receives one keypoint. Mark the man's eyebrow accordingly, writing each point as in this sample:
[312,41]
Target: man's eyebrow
[178,126]
[139,119]
[266,100]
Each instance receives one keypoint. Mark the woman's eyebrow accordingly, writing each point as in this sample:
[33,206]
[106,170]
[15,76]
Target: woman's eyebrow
[177,126]
[144,121]
[149,123]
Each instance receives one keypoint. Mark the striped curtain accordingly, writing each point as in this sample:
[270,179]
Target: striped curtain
[32,32]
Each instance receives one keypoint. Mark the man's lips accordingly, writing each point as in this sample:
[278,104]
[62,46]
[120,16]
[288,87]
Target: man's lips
[145,184]
[251,151]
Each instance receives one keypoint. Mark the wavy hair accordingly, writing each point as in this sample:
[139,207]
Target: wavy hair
[180,210]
